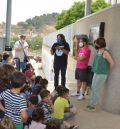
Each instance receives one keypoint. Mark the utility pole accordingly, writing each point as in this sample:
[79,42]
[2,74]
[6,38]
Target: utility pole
[8,22]
[87,7]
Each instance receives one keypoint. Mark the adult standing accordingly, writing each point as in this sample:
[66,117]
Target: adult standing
[102,64]
[60,50]
[21,50]
[81,73]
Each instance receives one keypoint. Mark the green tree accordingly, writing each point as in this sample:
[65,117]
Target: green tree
[35,42]
[77,11]
[98,5]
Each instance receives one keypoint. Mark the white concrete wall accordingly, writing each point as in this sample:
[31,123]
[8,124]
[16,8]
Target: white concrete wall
[111,16]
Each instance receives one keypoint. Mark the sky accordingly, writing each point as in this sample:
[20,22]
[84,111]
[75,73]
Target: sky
[24,9]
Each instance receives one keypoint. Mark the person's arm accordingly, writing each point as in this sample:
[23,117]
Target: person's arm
[52,50]
[1,98]
[80,58]
[17,47]
[24,115]
[23,110]
[108,57]
[65,49]
[67,109]
[1,107]
[66,52]
[83,56]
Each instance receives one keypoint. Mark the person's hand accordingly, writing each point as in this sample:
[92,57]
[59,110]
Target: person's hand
[75,57]
[25,47]
[73,110]
[57,47]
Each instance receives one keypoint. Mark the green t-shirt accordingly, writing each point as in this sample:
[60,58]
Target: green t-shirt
[100,64]
[59,107]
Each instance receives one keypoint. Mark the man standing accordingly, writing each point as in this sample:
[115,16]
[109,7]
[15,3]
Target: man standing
[21,50]
[60,50]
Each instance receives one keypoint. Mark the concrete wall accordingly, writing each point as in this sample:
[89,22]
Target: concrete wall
[2,44]
[111,16]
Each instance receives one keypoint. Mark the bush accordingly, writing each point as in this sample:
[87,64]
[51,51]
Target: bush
[35,43]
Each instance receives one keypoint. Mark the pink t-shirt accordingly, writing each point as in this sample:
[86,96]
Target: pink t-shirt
[83,64]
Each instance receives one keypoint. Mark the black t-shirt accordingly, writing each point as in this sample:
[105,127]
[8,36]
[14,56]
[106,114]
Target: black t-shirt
[59,57]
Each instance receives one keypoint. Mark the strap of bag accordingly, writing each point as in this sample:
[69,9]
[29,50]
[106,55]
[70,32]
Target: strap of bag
[23,49]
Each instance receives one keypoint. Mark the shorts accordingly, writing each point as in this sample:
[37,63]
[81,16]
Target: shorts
[81,74]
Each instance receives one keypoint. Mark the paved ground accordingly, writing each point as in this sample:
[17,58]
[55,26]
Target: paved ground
[87,120]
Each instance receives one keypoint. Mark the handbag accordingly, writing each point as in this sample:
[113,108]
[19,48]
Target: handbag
[26,58]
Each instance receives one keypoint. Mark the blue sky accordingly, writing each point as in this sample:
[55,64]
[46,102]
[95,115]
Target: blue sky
[24,9]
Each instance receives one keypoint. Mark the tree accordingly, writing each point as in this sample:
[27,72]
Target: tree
[98,5]
[77,11]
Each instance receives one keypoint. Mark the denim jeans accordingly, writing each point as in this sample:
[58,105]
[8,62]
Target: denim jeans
[20,65]
[97,86]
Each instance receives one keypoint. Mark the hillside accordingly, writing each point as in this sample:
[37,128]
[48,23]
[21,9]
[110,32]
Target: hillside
[38,25]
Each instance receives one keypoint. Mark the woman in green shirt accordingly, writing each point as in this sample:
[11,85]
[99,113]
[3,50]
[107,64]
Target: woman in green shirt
[102,64]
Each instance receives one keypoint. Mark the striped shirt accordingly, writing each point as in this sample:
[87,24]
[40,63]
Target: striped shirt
[47,111]
[14,104]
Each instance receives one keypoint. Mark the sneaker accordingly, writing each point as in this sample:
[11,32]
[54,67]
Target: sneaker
[74,127]
[81,97]
[90,108]
[75,94]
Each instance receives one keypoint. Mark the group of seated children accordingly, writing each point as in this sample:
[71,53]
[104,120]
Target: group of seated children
[28,104]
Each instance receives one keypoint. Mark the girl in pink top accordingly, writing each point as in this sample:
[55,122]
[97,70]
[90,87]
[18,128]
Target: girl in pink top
[83,52]
[82,59]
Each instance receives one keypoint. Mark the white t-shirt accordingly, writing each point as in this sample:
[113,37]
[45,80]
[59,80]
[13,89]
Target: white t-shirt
[37,125]
[20,54]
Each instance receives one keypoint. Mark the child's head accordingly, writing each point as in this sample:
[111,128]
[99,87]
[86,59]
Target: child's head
[45,95]
[59,89]
[38,89]
[33,101]
[44,82]
[5,55]
[7,123]
[53,124]
[18,79]
[6,71]
[38,115]
[28,66]
[38,79]
[65,93]
[11,61]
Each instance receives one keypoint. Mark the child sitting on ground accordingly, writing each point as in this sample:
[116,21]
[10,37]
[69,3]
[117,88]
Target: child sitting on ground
[37,92]
[32,104]
[15,104]
[26,91]
[37,119]
[46,105]
[61,106]
[36,81]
